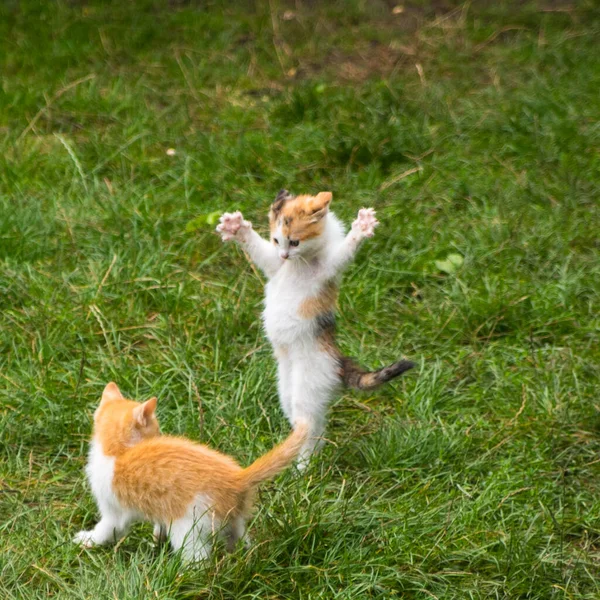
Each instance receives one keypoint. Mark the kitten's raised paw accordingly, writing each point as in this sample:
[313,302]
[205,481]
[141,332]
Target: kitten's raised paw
[85,539]
[365,223]
[233,226]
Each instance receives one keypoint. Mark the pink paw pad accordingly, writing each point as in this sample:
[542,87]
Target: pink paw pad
[230,224]
[365,223]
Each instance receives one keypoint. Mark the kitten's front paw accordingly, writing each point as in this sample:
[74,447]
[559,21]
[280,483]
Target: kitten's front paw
[233,226]
[365,223]
[85,539]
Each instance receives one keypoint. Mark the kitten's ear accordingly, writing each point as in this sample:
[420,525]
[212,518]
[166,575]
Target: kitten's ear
[319,205]
[111,392]
[278,203]
[143,412]
[282,196]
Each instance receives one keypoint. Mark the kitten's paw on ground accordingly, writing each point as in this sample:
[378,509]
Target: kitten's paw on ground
[233,226]
[365,223]
[85,539]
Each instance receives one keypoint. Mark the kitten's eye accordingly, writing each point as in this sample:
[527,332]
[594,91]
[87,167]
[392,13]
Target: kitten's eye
[276,241]
[294,243]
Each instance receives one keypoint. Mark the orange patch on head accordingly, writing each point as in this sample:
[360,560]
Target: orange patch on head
[121,423]
[300,217]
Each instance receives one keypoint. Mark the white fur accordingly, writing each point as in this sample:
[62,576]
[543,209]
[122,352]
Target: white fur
[307,375]
[115,518]
[192,533]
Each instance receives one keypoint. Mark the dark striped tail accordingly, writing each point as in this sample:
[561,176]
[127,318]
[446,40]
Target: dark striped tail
[356,377]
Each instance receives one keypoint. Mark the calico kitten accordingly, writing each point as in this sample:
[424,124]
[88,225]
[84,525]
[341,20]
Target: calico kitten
[186,489]
[303,261]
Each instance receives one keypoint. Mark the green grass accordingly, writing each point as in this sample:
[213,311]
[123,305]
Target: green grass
[472,129]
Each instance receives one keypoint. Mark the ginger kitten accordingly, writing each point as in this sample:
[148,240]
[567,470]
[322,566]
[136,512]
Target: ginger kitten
[186,489]
[303,262]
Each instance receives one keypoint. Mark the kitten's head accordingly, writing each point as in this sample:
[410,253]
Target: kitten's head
[297,223]
[121,423]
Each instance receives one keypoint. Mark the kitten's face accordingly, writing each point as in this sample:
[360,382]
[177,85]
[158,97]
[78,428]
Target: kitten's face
[121,423]
[297,223]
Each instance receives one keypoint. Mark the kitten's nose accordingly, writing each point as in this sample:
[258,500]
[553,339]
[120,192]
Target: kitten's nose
[284,254]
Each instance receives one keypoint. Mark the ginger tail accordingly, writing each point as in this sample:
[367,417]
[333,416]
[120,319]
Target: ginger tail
[356,377]
[277,459]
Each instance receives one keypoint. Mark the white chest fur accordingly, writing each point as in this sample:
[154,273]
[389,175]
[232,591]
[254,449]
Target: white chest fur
[100,471]
[284,295]
[298,280]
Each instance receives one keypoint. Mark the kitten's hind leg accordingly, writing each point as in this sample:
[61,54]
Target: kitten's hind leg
[192,537]
[284,381]
[315,377]
[193,532]
[314,442]
[236,531]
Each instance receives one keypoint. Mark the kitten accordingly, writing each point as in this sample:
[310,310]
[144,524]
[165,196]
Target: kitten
[303,261]
[185,488]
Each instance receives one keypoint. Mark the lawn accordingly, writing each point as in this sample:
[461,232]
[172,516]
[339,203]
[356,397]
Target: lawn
[473,129]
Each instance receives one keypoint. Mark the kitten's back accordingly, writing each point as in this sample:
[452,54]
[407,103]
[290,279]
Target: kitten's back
[161,477]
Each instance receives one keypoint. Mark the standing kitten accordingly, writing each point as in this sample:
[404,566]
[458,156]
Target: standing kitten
[307,253]
[185,488]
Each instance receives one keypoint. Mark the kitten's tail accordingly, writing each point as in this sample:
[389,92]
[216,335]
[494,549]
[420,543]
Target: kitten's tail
[356,377]
[277,459]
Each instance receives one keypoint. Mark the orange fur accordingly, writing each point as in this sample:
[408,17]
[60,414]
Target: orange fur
[322,303]
[301,217]
[160,476]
